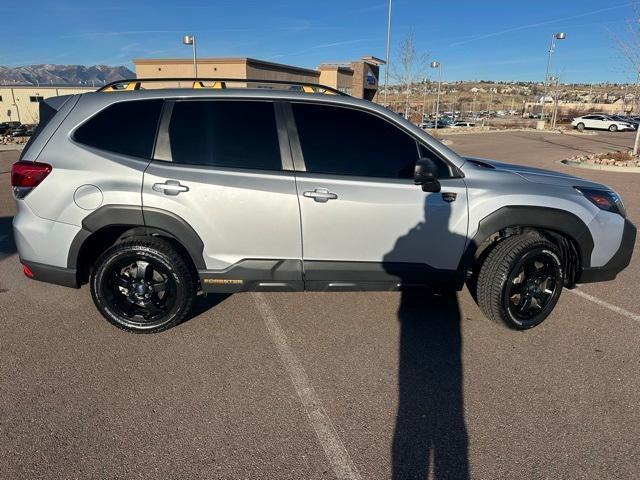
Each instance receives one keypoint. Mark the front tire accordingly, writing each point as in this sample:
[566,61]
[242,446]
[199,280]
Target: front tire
[613,128]
[143,285]
[520,281]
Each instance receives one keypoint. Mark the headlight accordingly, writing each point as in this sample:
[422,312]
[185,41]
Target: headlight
[604,199]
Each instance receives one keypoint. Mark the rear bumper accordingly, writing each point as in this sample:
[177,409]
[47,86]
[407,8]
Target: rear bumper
[618,262]
[67,277]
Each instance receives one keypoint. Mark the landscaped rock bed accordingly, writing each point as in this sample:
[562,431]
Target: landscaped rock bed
[622,158]
[9,140]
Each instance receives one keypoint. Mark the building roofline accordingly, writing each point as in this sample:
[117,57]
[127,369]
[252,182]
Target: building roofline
[225,60]
[50,87]
[334,66]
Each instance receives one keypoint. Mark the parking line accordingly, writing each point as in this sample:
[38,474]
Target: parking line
[333,447]
[602,303]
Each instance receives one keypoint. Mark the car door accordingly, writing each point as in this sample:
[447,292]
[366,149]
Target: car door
[598,121]
[220,168]
[364,222]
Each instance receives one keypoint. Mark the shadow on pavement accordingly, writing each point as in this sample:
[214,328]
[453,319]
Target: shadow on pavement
[7,245]
[430,437]
[204,303]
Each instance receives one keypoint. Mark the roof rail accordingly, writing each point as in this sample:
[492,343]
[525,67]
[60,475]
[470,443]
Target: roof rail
[218,83]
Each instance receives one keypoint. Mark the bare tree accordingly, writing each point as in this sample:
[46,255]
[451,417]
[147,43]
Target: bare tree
[628,43]
[411,66]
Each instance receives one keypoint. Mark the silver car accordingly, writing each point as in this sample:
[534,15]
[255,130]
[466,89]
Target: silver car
[154,196]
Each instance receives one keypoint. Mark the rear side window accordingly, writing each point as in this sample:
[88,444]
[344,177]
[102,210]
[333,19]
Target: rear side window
[125,127]
[344,141]
[237,134]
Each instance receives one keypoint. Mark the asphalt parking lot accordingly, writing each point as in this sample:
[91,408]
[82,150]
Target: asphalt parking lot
[327,385]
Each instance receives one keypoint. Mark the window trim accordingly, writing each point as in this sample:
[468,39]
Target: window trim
[72,133]
[298,157]
[162,147]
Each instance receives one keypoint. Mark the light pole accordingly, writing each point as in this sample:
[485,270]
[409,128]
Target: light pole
[552,46]
[191,40]
[437,65]
[386,67]
[554,114]
[424,100]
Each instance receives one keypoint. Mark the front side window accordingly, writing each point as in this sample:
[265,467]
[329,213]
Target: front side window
[125,127]
[344,141]
[236,134]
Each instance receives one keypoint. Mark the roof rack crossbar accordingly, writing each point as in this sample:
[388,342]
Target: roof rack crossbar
[219,83]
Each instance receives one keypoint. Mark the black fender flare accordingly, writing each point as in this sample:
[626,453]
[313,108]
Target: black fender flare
[553,219]
[153,219]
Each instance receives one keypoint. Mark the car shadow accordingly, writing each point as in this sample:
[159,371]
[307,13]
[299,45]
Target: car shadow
[430,438]
[204,303]
[7,243]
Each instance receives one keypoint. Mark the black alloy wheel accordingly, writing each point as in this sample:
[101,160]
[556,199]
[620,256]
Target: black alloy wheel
[531,286]
[143,285]
[520,280]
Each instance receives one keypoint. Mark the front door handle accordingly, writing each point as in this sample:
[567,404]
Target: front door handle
[321,195]
[170,187]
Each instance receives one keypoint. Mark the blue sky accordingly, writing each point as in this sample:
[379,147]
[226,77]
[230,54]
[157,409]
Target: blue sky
[491,39]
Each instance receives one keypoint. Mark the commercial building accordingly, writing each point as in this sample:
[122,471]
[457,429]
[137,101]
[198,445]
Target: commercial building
[20,104]
[358,78]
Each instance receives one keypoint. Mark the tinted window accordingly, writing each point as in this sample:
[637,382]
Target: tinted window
[344,141]
[125,127]
[225,134]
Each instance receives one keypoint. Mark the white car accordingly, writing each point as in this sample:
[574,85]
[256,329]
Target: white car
[462,124]
[600,122]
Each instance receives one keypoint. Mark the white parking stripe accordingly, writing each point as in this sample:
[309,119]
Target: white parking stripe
[604,304]
[333,447]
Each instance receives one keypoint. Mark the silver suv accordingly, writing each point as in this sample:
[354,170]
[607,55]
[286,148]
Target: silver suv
[154,196]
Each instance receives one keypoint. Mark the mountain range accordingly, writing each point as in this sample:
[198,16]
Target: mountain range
[49,74]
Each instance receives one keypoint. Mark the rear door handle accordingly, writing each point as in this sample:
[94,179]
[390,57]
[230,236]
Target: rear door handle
[170,187]
[321,195]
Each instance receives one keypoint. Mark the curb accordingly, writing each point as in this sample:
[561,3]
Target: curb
[592,166]
[9,148]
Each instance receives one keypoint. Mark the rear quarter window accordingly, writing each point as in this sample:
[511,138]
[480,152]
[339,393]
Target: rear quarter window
[127,127]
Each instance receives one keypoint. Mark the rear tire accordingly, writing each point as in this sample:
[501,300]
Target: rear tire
[613,128]
[143,285]
[580,126]
[520,281]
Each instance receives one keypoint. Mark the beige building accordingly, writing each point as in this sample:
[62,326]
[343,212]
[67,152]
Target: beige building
[358,78]
[20,104]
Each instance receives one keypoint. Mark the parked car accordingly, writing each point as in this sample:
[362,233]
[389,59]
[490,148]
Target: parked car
[626,119]
[6,127]
[600,122]
[322,193]
[462,124]
[21,131]
[432,124]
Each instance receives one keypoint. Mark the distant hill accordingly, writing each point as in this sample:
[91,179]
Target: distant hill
[62,74]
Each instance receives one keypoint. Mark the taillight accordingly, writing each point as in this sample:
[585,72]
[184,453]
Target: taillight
[25,176]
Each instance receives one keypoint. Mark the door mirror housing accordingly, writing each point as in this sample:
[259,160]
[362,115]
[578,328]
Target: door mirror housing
[425,174]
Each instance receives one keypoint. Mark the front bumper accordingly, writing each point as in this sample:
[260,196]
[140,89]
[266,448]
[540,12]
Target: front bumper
[618,262]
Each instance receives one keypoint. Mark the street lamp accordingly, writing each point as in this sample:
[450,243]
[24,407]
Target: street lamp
[386,67]
[554,81]
[552,46]
[437,65]
[191,40]
[424,99]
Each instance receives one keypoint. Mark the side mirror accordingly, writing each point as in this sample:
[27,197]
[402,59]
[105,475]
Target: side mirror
[425,175]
